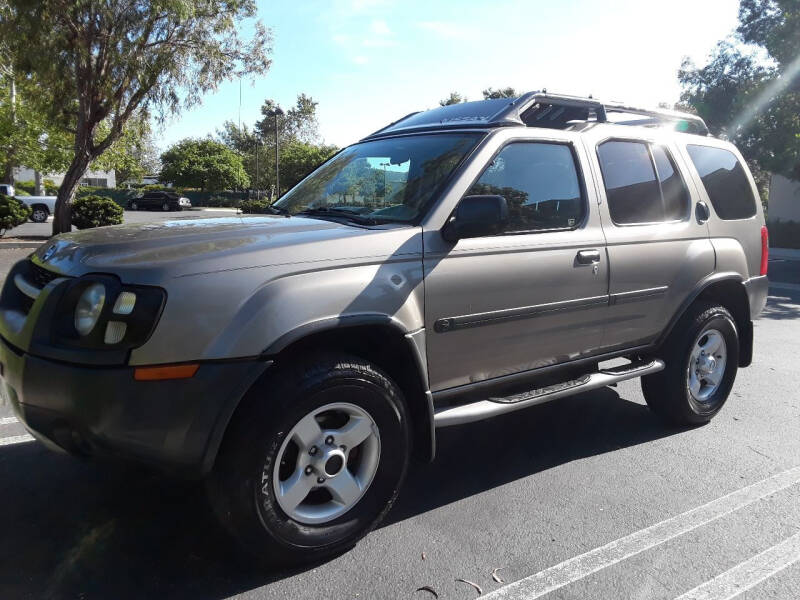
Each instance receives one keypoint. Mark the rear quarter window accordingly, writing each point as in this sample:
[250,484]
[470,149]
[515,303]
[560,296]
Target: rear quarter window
[725,181]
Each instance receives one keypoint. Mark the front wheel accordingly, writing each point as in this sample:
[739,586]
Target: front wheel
[312,461]
[39,214]
[133,206]
[702,358]
[165,206]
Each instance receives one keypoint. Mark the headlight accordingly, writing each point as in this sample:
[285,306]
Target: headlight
[90,305]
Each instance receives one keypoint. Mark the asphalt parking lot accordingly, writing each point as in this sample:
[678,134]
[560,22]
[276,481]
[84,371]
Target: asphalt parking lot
[587,497]
[33,231]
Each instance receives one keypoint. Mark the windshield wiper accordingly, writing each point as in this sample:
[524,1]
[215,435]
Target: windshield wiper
[278,210]
[326,211]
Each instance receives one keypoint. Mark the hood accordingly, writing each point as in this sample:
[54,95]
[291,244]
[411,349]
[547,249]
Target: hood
[182,247]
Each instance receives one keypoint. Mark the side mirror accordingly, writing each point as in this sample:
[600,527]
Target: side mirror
[476,216]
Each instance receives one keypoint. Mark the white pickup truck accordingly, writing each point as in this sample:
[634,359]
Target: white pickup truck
[41,206]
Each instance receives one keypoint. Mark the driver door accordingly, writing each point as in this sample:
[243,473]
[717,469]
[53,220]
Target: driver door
[534,295]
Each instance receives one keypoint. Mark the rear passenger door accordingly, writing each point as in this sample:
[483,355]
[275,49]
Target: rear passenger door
[658,250]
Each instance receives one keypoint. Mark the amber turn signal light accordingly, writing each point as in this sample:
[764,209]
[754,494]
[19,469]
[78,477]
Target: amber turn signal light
[165,372]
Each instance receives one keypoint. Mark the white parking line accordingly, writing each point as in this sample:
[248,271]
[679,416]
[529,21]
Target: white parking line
[16,439]
[595,560]
[748,574]
[8,420]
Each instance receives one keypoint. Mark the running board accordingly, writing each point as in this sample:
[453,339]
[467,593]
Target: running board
[483,409]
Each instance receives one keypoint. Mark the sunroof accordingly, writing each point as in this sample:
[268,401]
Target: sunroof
[465,113]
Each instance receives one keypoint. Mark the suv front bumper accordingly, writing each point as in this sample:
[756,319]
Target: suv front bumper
[174,424]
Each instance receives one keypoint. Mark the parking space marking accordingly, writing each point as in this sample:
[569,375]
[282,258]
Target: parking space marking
[16,439]
[748,574]
[8,420]
[590,562]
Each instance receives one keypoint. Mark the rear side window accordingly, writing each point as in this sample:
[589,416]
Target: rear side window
[540,183]
[642,183]
[725,181]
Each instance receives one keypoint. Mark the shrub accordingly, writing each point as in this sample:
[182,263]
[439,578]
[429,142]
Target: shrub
[95,211]
[253,206]
[784,234]
[12,213]
[28,188]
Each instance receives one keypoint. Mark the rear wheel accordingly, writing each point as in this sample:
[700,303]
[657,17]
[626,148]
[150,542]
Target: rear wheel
[312,461]
[165,206]
[702,358]
[133,205]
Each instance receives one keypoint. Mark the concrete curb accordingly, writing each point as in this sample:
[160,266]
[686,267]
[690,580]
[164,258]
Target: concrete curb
[13,245]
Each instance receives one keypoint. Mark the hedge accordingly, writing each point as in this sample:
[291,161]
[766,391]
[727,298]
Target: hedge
[12,213]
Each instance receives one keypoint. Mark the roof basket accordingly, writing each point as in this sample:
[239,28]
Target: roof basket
[540,109]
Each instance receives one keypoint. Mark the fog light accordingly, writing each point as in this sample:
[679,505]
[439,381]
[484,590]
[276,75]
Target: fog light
[115,331]
[124,304]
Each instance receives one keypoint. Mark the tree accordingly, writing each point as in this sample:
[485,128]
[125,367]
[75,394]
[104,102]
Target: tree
[493,94]
[134,154]
[752,102]
[205,164]
[298,159]
[103,61]
[299,147]
[453,98]
[26,136]
[299,122]
[773,25]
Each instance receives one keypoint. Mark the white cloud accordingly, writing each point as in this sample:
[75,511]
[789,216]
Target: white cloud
[379,27]
[360,60]
[452,31]
[363,5]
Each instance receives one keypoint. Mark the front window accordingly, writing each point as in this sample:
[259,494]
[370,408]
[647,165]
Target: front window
[392,180]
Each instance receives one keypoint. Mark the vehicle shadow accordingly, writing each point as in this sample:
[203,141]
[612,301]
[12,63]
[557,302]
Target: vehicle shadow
[781,305]
[75,529]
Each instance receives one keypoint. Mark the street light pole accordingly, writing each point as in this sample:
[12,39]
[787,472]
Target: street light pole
[258,195]
[277,112]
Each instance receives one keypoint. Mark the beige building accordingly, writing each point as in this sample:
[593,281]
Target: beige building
[93,178]
[784,199]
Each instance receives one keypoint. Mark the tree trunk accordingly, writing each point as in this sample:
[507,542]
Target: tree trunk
[8,170]
[62,220]
[37,184]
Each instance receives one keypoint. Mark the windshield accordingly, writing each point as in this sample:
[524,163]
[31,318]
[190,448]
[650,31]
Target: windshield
[383,180]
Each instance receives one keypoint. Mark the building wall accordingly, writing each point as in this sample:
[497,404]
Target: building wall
[784,199]
[97,178]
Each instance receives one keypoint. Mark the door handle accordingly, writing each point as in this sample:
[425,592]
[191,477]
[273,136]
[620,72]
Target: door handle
[702,212]
[588,257]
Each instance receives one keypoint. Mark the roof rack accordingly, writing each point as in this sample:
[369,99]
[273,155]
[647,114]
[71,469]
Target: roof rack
[538,109]
[598,111]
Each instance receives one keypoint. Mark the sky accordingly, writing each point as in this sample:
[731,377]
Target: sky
[369,62]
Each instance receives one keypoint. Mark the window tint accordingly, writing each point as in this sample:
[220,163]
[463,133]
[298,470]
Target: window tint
[540,183]
[676,196]
[725,181]
[638,190]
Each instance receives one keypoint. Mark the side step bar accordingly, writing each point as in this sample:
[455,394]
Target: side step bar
[484,409]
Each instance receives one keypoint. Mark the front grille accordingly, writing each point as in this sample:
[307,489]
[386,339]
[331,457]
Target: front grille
[39,276]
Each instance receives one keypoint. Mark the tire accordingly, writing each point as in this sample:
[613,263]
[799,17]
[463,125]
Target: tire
[256,460]
[165,206]
[39,213]
[674,393]
[133,206]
